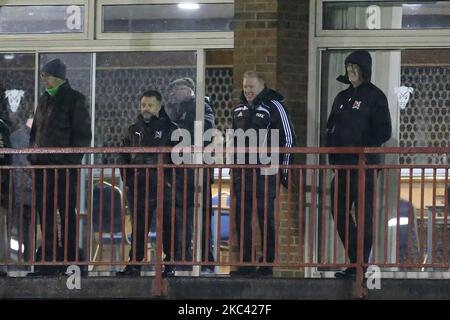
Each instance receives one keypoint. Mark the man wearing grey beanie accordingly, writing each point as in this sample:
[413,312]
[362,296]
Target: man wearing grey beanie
[181,109]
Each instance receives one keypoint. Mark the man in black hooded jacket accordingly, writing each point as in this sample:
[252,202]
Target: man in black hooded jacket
[260,109]
[359,118]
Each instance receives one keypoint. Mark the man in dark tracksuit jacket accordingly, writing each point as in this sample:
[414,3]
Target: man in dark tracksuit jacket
[4,161]
[359,118]
[61,120]
[152,129]
[260,108]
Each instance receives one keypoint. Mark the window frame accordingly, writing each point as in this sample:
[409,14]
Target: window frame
[170,36]
[50,36]
[320,32]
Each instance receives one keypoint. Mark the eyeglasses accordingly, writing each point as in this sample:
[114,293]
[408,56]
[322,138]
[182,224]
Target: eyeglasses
[351,65]
[44,75]
[180,88]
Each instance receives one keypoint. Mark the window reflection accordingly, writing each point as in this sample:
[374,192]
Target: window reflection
[363,15]
[41,19]
[121,77]
[17,73]
[168,18]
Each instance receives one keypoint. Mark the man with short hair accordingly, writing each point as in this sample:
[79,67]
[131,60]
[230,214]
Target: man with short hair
[261,109]
[152,129]
[61,120]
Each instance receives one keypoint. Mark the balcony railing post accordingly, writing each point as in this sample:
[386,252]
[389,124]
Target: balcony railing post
[158,285]
[359,289]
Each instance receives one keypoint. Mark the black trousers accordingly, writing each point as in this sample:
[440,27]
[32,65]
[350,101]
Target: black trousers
[207,215]
[55,195]
[139,226]
[185,215]
[25,225]
[353,200]
[264,202]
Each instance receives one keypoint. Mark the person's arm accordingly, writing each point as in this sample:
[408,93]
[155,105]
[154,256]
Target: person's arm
[287,136]
[32,140]
[4,115]
[81,124]
[5,159]
[80,127]
[381,126]
[330,123]
[240,118]
[209,115]
[125,158]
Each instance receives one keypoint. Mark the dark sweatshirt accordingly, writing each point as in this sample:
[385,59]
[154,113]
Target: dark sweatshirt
[359,117]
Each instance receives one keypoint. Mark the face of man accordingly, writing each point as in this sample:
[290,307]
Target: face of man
[150,107]
[180,93]
[354,73]
[50,81]
[252,87]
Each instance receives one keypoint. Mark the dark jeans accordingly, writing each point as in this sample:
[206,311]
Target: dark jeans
[49,210]
[353,200]
[207,214]
[264,202]
[187,231]
[188,234]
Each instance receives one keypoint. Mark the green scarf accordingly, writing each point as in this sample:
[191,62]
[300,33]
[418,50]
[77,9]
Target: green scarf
[53,91]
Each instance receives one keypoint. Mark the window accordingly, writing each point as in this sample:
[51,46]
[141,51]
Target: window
[42,19]
[367,15]
[214,17]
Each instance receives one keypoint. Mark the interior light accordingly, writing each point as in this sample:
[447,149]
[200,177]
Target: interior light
[189,6]
[8,56]
[15,245]
[393,222]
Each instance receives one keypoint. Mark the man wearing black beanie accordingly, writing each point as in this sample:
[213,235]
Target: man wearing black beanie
[61,120]
[359,118]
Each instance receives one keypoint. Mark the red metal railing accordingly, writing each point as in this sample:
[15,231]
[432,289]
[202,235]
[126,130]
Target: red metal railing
[409,224]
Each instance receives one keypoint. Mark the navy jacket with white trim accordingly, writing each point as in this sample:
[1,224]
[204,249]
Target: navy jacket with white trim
[267,112]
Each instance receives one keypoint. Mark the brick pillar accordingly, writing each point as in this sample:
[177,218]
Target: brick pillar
[271,37]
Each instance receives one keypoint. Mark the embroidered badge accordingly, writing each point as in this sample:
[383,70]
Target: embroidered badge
[356,105]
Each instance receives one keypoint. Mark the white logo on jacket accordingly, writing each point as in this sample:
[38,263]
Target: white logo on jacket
[158,134]
[356,105]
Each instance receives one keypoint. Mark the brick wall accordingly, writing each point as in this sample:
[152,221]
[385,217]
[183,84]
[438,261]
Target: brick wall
[271,37]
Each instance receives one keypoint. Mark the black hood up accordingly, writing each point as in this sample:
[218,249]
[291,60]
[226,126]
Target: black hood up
[265,95]
[363,59]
